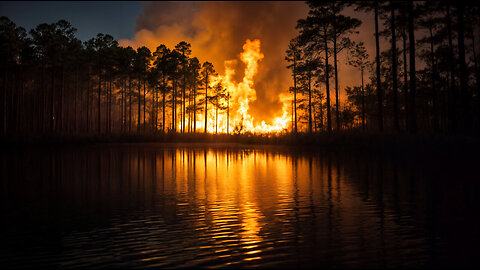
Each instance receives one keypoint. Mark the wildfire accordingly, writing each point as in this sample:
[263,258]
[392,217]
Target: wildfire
[241,94]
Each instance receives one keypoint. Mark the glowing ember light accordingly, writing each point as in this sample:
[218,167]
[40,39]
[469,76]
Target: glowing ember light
[241,94]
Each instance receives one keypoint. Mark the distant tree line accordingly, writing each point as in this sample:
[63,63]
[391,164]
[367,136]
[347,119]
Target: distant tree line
[398,93]
[53,84]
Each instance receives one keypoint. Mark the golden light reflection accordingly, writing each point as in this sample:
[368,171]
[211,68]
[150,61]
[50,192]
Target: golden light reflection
[239,193]
[250,224]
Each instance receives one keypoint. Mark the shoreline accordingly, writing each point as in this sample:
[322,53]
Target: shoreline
[346,140]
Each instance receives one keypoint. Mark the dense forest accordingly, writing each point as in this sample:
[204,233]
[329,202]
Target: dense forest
[396,93]
[54,84]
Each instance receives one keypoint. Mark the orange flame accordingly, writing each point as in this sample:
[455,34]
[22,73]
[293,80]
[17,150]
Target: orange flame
[241,94]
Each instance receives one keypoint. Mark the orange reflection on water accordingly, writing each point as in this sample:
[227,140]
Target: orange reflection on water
[188,206]
[237,189]
[233,196]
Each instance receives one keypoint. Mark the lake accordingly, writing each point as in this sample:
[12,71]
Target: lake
[189,205]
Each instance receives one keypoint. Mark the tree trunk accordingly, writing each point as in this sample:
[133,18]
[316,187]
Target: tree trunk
[60,101]
[154,108]
[122,95]
[467,122]
[144,104]
[295,89]
[75,94]
[174,107]
[321,114]
[11,103]
[477,76]
[139,112]
[309,104]
[88,102]
[363,103]
[394,69]
[163,103]
[434,88]
[4,101]
[107,89]
[42,110]
[52,103]
[22,117]
[206,98]
[194,105]
[14,103]
[327,85]
[123,105]
[452,112]
[129,104]
[293,126]
[379,88]
[337,102]
[99,99]
[110,106]
[413,79]
[189,122]
[183,103]
[228,113]
[405,79]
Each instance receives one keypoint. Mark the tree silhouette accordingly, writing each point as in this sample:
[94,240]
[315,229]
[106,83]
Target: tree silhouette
[430,22]
[375,6]
[184,49]
[341,27]
[141,66]
[314,37]
[293,56]
[359,59]
[396,121]
[52,84]
[307,68]
[161,64]
[207,70]
[467,122]
[413,76]
[174,70]
[194,68]
[217,100]
[101,45]
[11,43]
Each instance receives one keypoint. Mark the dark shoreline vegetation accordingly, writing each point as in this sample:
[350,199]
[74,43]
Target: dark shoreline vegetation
[435,145]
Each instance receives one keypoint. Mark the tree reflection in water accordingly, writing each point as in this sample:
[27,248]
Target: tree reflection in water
[157,205]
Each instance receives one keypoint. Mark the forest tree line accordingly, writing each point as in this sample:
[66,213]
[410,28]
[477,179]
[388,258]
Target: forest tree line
[52,83]
[396,94]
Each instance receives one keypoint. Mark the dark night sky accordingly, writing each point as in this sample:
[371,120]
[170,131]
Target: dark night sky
[116,18]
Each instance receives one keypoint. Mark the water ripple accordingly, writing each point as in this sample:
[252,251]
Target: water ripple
[184,208]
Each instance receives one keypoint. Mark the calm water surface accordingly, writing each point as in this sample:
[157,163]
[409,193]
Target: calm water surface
[172,206]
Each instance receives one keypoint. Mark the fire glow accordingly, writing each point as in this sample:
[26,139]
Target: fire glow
[241,94]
